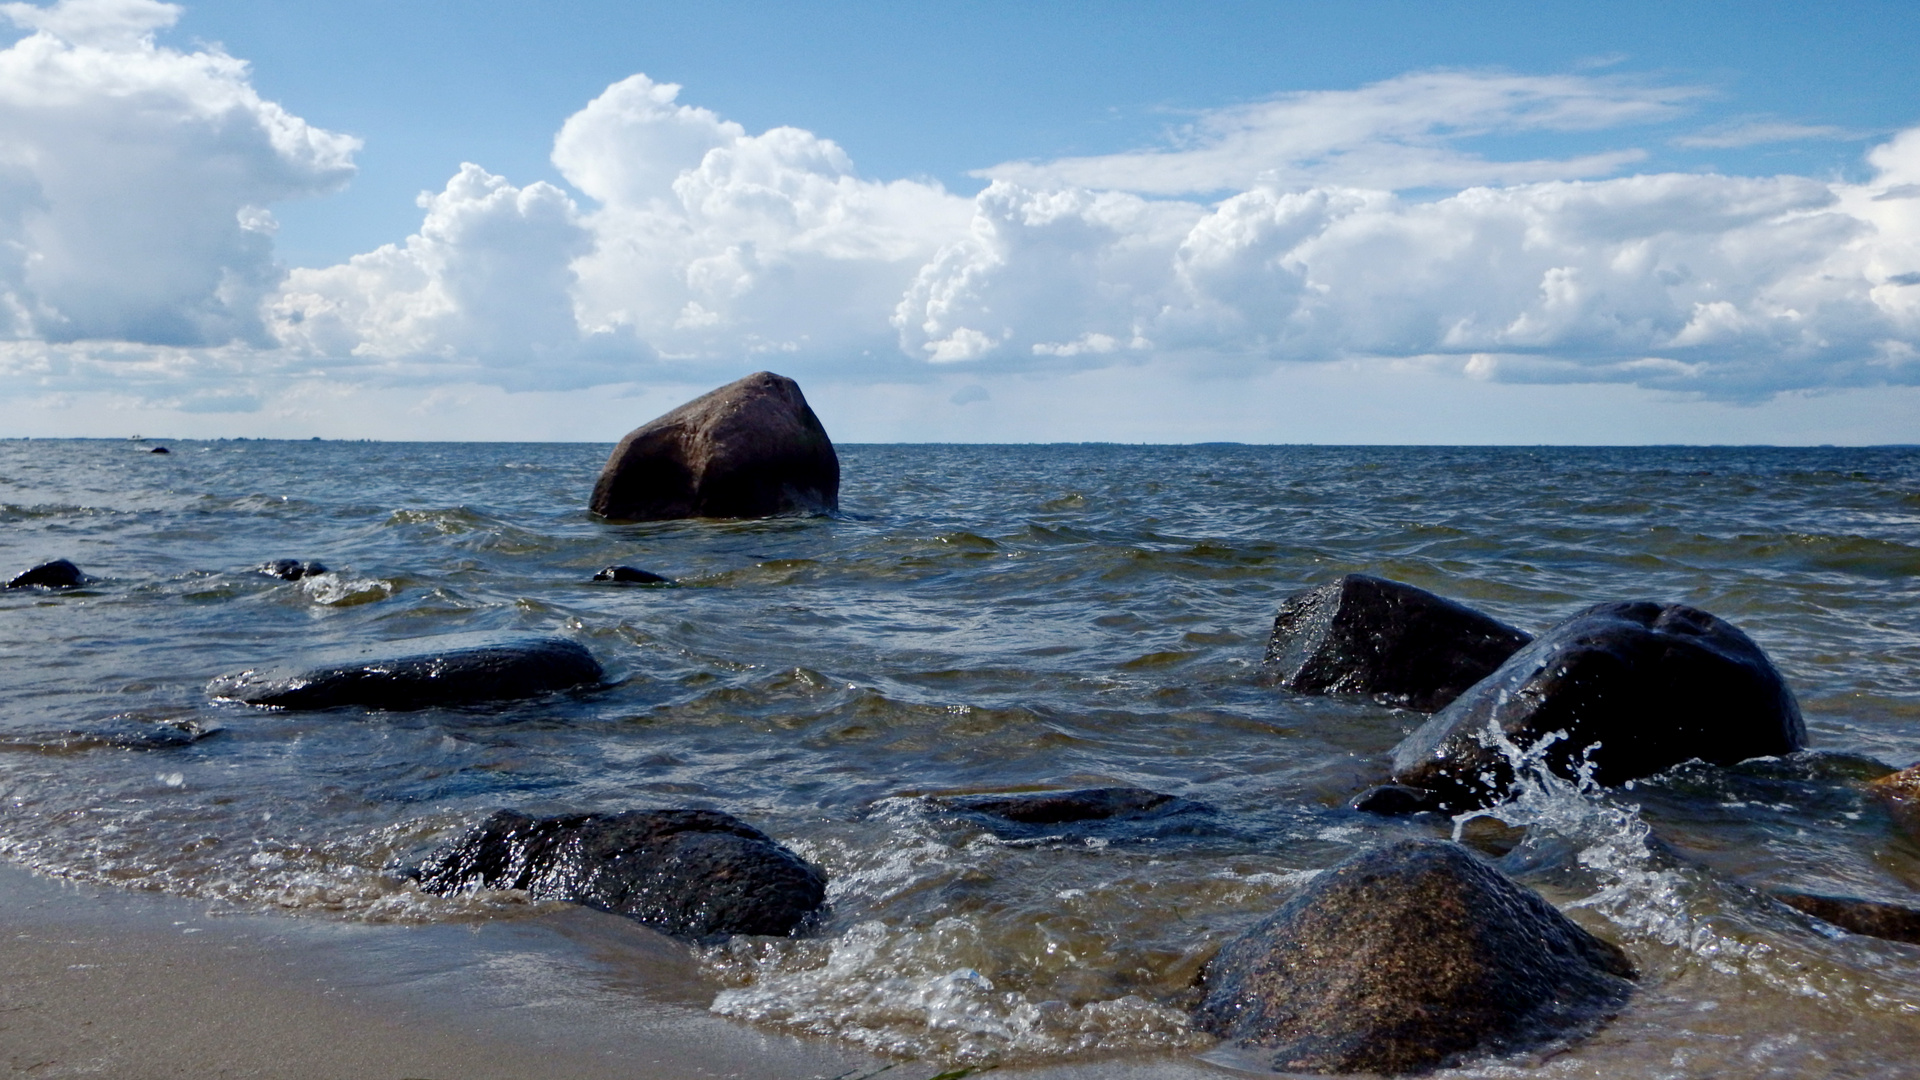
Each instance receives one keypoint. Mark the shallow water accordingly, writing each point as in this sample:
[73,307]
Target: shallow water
[977,619]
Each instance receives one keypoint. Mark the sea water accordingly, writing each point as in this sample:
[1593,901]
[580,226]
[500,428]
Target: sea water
[977,619]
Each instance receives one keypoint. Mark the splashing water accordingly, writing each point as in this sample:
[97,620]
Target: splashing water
[1671,915]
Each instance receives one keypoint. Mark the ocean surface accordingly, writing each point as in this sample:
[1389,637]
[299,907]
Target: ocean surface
[977,619]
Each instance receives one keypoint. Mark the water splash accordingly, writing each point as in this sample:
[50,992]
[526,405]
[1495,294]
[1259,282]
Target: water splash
[1673,917]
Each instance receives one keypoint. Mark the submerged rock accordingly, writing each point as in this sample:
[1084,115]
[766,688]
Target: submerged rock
[58,574]
[1059,807]
[1636,688]
[689,873]
[1113,814]
[1872,918]
[457,669]
[290,569]
[1394,799]
[1407,958]
[627,575]
[1395,643]
[752,448]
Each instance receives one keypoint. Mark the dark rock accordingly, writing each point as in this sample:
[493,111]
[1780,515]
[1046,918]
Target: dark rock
[127,732]
[456,669]
[1407,958]
[1637,687]
[1382,639]
[752,448]
[1870,917]
[1113,814]
[58,574]
[627,575]
[690,873]
[159,450]
[291,569]
[1394,800]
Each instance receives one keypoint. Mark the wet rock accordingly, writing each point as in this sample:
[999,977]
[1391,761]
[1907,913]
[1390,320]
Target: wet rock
[752,448]
[58,574]
[1408,958]
[457,669]
[1870,917]
[1636,687]
[1902,786]
[627,575]
[690,873]
[126,732]
[1112,815]
[1394,799]
[290,569]
[1382,639]
[132,733]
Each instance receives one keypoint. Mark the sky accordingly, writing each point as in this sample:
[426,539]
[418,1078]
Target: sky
[997,222]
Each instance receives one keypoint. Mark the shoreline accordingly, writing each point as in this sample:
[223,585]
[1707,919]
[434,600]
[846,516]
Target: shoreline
[102,982]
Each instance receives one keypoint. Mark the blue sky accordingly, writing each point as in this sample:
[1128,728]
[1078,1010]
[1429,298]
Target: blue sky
[1367,222]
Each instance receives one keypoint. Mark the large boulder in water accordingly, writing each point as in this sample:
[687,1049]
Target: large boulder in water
[1395,643]
[58,574]
[1635,688]
[1406,958]
[690,873]
[455,669]
[749,449]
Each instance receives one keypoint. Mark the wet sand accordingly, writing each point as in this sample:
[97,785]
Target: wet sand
[95,982]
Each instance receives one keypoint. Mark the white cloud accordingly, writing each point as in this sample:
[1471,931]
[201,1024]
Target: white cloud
[1758,133]
[135,244]
[134,181]
[1393,135]
[485,283]
[713,244]
[1735,287]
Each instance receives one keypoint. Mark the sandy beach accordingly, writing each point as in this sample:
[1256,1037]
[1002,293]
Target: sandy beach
[128,985]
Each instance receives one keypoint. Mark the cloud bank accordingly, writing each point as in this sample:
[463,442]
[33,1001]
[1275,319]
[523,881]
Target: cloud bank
[136,245]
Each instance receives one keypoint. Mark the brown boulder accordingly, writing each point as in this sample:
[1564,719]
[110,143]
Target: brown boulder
[1873,918]
[1407,958]
[752,448]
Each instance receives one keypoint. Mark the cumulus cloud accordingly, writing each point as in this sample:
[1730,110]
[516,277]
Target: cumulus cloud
[1328,226]
[1396,134]
[705,245]
[485,284]
[135,181]
[1732,286]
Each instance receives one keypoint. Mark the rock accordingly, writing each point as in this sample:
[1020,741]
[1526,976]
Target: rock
[58,574]
[689,873]
[1870,917]
[1112,814]
[1639,686]
[1382,639]
[752,448]
[159,450]
[291,569]
[1393,800]
[457,669]
[1407,958]
[627,575]
[1902,786]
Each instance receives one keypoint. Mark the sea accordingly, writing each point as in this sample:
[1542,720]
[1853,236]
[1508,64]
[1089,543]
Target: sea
[977,619]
